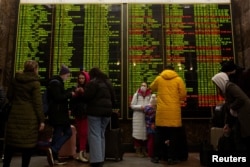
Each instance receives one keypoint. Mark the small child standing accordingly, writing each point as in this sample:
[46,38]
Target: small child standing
[150,110]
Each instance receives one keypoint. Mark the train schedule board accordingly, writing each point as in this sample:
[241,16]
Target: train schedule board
[131,42]
[80,36]
[194,38]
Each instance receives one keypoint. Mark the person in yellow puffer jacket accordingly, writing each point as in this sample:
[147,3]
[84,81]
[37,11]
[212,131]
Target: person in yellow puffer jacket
[171,92]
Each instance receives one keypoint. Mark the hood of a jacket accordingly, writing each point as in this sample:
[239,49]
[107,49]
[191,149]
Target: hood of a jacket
[25,77]
[57,77]
[221,80]
[168,74]
[87,77]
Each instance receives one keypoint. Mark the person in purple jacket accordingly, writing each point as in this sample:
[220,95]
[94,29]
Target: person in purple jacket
[150,110]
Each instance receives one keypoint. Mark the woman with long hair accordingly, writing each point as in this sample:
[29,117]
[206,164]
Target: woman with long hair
[99,95]
[26,117]
[78,109]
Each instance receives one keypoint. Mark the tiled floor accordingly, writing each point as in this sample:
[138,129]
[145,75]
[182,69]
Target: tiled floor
[129,160]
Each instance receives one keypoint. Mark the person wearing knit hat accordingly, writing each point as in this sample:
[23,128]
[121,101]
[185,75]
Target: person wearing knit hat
[228,67]
[59,119]
[152,100]
[64,70]
[233,71]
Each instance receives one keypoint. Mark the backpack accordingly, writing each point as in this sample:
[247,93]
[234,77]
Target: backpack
[45,98]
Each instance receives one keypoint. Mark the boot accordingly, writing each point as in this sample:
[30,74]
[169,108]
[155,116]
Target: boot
[138,152]
[83,156]
[144,152]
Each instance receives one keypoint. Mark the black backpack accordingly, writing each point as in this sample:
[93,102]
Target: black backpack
[45,99]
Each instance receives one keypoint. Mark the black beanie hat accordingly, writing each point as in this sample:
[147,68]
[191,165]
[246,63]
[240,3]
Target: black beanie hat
[228,66]
[64,70]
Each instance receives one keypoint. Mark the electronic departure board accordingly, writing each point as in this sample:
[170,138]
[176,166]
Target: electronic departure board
[194,38]
[79,36]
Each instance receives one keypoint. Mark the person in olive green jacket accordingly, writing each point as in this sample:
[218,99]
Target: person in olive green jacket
[26,117]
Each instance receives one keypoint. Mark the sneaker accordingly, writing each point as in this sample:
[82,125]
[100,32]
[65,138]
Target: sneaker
[50,157]
[60,162]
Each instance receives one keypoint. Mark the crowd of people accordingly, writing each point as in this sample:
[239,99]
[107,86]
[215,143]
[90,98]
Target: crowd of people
[165,122]
[162,121]
[90,102]
[157,127]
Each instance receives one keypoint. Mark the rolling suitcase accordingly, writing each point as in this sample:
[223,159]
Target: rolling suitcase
[113,140]
[69,148]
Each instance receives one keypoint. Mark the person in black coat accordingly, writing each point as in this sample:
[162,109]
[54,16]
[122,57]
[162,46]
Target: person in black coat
[58,114]
[100,98]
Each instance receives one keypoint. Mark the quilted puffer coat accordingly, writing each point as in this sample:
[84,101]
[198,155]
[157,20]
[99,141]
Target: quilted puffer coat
[138,122]
[171,91]
[26,113]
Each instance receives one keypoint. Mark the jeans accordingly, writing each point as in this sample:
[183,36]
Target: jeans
[96,137]
[61,133]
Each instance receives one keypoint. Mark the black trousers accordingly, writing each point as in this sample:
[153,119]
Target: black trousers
[9,152]
[177,149]
[246,140]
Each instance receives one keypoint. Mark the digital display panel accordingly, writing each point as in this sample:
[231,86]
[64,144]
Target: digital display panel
[194,38]
[79,36]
